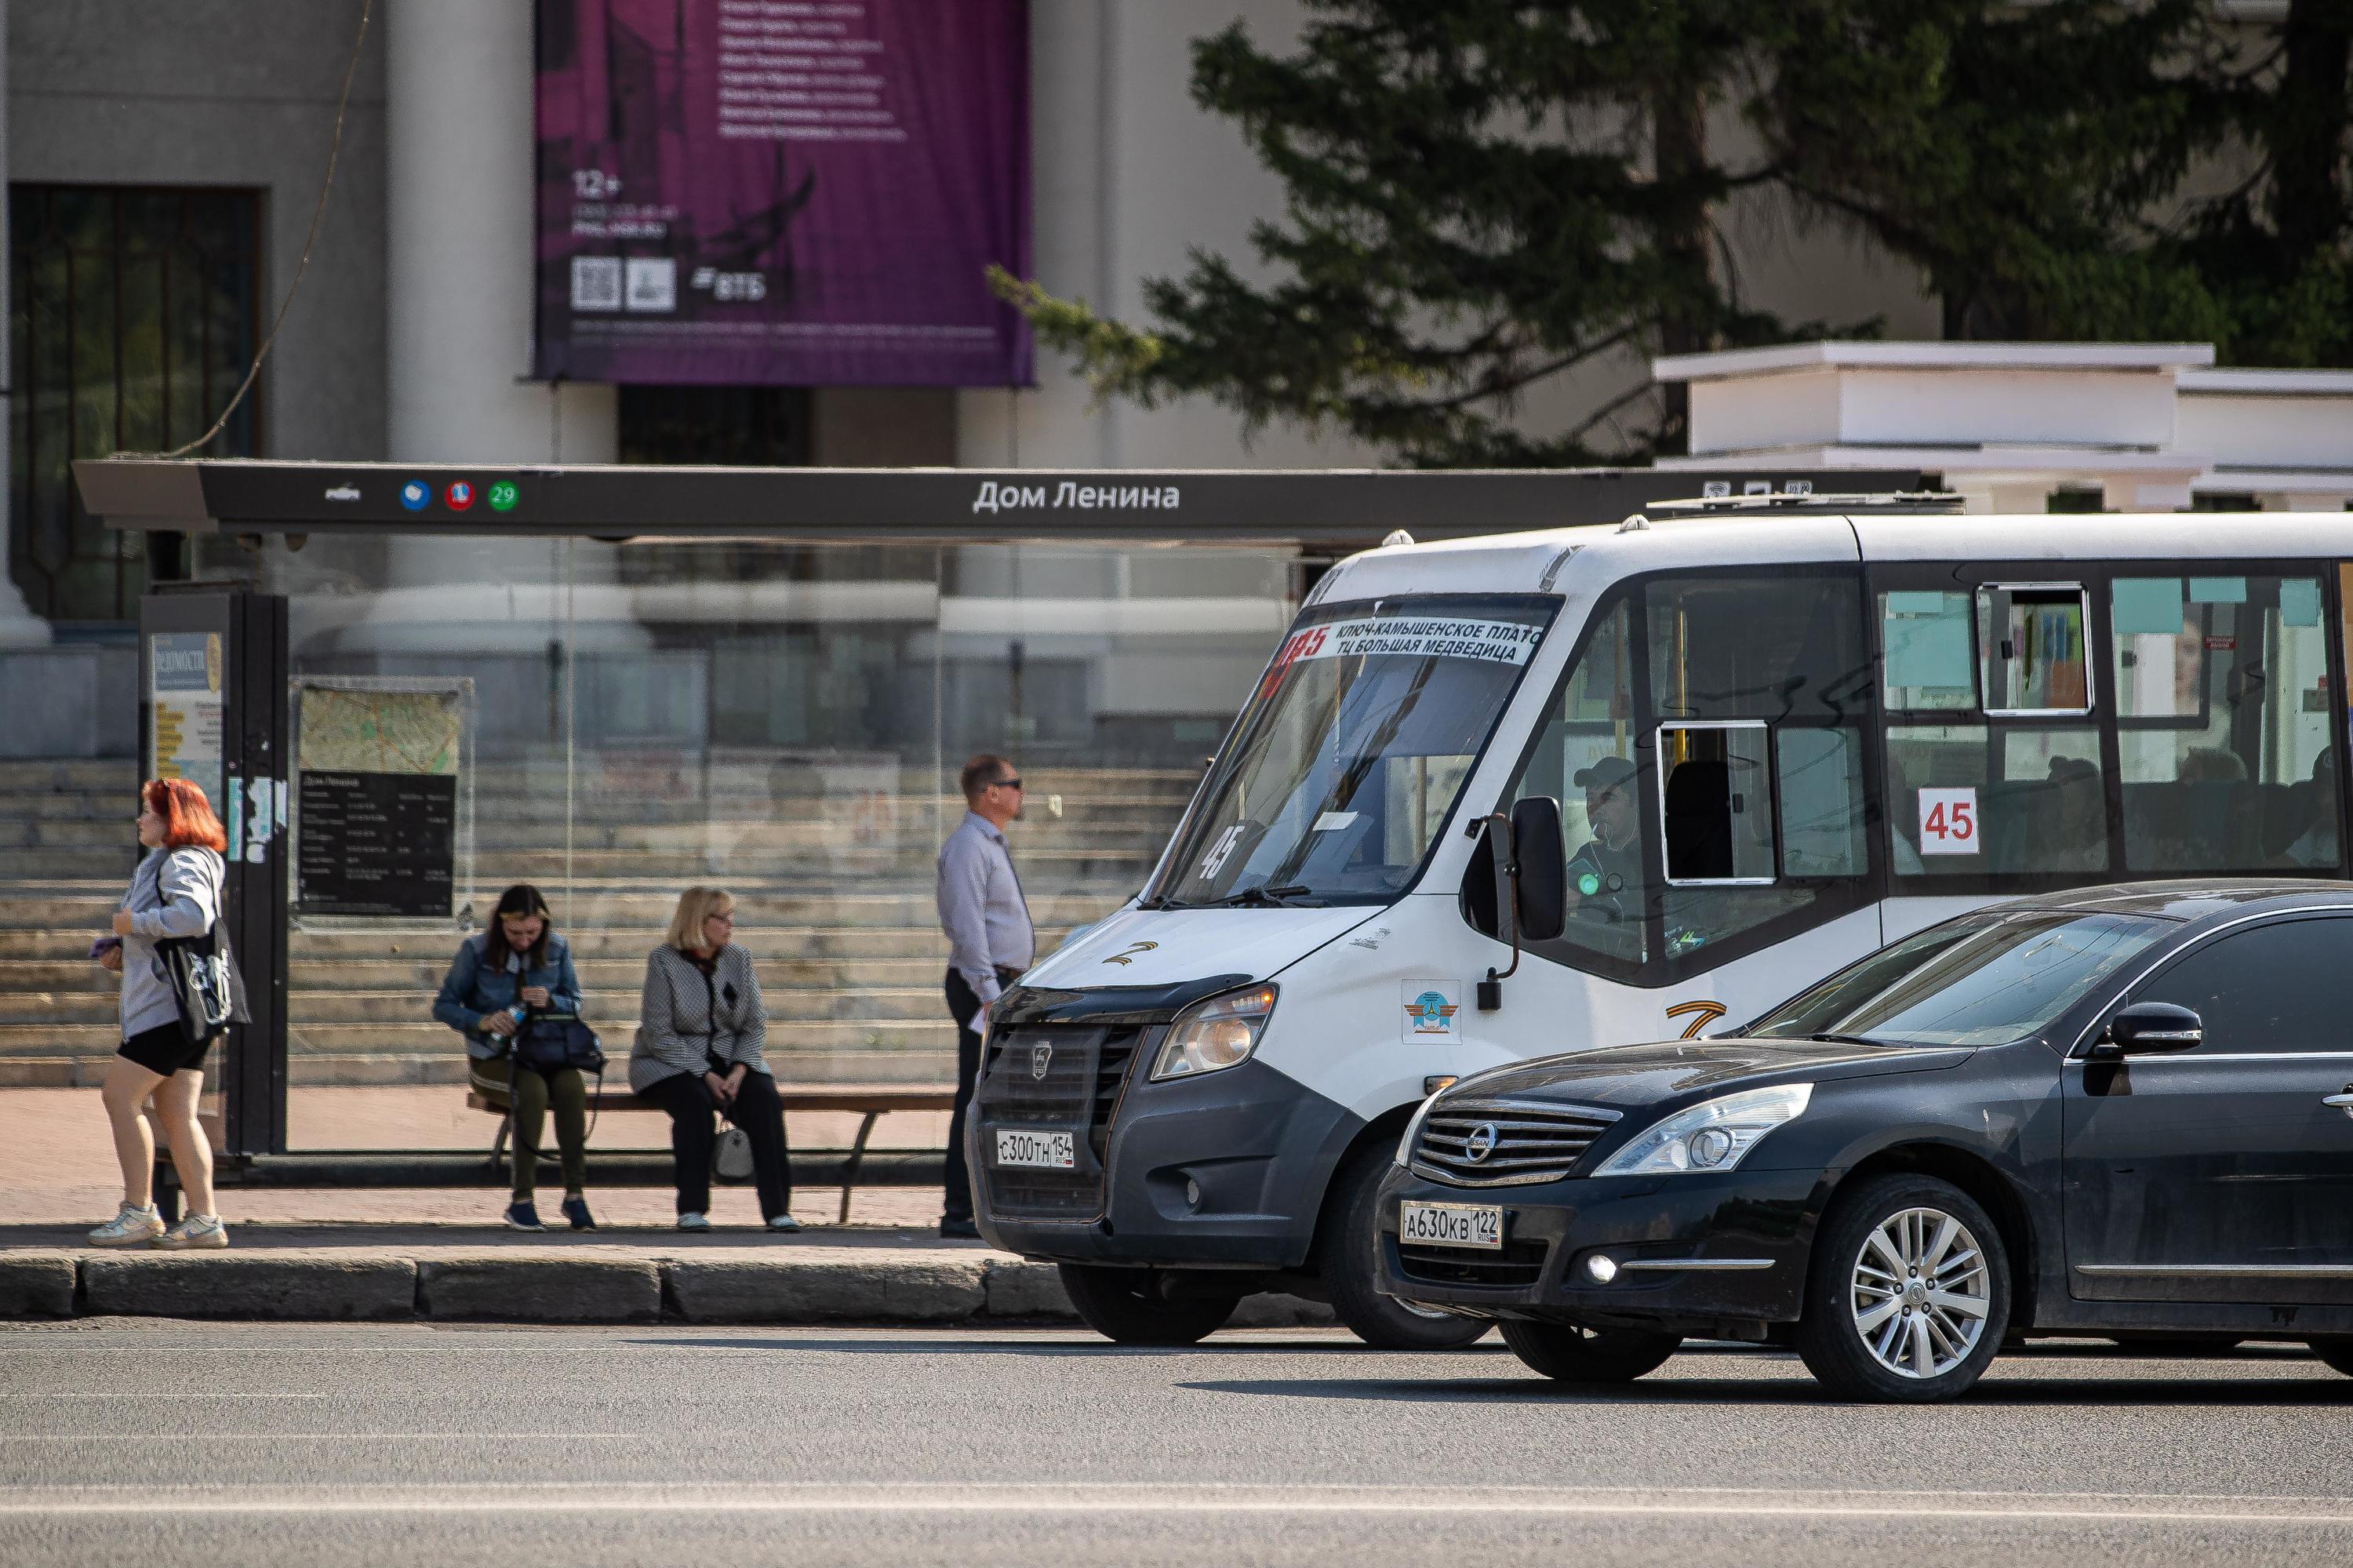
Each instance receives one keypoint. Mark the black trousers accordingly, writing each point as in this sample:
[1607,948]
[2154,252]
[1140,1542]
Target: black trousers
[963,1006]
[757,1111]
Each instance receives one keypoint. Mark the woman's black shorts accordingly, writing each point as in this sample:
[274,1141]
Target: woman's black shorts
[165,1050]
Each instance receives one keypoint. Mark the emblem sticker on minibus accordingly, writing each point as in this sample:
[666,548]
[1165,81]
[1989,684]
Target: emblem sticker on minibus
[1431,1010]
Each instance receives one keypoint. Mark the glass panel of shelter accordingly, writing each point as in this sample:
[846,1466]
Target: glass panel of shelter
[783,719]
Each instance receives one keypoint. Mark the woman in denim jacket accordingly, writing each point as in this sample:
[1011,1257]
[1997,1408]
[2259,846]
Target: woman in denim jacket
[519,961]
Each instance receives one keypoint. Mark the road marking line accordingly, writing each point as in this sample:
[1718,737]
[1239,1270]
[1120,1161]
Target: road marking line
[296,1436]
[1697,1503]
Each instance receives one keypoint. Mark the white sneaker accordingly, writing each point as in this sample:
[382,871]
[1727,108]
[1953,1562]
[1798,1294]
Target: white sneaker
[130,1227]
[195,1231]
[692,1222]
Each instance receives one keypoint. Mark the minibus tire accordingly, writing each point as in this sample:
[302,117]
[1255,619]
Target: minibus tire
[1348,1258]
[2337,1353]
[1125,1306]
[1566,1354]
[1831,1335]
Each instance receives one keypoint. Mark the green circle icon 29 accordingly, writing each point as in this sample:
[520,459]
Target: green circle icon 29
[502,495]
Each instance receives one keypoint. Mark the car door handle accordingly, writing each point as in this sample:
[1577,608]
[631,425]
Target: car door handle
[2343,1102]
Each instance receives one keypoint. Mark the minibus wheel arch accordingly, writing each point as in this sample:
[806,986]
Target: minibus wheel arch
[1385,1130]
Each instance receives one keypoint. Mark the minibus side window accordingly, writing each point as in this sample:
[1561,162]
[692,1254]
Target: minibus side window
[1753,692]
[1585,757]
[2034,651]
[1760,685]
[1994,762]
[2226,736]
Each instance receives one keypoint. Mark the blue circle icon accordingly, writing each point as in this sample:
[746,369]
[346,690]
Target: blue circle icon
[416,494]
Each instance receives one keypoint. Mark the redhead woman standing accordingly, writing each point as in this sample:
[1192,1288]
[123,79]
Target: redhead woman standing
[175,892]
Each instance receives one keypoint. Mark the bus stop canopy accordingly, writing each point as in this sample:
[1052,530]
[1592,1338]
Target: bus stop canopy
[1349,508]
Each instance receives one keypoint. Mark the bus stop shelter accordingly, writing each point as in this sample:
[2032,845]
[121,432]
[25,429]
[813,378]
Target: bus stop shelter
[661,675]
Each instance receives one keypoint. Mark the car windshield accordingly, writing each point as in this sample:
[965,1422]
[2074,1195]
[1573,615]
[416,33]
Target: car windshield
[1345,762]
[1983,979]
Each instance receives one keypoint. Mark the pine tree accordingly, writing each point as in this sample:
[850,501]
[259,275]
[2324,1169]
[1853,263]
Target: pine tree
[1479,195]
[2276,249]
[1483,194]
[2021,156]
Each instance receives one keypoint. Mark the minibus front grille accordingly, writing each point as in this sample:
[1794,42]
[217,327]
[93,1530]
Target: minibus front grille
[1505,1143]
[1053,1076]
[1520,1264]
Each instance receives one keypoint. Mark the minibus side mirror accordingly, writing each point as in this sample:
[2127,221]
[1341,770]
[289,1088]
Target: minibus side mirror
[1543,853]
[2148,1029]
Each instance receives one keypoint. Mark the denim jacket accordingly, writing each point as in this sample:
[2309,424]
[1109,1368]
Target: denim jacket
[473,989]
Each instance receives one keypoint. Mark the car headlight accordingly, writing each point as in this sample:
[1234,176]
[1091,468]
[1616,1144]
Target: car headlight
[1710,1137]
[1213,1035]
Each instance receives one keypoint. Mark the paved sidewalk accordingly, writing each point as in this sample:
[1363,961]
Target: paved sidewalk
[56,1163]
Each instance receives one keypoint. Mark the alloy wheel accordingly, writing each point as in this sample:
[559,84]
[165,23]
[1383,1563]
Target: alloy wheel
[1920,1292]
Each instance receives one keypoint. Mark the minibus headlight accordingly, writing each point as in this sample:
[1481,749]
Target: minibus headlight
[1713,1136]
[1213,1035]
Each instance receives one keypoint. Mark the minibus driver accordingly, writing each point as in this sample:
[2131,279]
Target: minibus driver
[1605,876]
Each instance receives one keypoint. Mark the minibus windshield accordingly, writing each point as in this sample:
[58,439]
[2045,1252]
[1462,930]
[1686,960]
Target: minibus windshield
[1983,979]
[1348,759]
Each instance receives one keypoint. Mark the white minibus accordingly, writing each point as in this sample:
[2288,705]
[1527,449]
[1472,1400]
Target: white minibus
[1506,797]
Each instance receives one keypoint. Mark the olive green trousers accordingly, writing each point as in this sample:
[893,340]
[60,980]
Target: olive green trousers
[533,1095]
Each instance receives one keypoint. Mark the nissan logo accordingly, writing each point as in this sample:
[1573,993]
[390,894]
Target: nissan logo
[1041,1056]
[1481,1142]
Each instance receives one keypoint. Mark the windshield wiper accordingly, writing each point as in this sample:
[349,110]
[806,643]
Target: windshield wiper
[1271,898]
[1849,1040]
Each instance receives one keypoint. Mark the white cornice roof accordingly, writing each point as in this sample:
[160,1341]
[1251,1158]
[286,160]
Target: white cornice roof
[1870,355]
[2268,383]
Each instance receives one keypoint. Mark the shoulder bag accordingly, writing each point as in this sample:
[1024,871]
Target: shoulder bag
[204,982]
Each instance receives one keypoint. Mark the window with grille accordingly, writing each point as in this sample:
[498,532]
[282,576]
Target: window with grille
[132,316]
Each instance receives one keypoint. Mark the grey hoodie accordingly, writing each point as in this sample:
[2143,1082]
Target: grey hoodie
[175,893]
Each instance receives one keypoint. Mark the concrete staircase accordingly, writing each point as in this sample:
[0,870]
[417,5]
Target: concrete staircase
[837,914]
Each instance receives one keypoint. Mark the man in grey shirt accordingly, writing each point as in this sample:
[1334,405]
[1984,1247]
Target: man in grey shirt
[990,942]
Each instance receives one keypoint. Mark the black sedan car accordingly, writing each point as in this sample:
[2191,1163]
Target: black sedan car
[2123,1112]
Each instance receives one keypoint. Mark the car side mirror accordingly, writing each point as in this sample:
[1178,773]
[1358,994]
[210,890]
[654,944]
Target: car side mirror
[1543,855]
[2148,1029]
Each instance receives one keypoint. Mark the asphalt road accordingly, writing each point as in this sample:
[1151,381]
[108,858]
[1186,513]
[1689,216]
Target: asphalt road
[124,1441]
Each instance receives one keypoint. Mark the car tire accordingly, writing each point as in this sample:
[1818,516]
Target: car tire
[1348,1260]
[1566,1354]
[1126,1306]
[1858,1332]
[2337,1353]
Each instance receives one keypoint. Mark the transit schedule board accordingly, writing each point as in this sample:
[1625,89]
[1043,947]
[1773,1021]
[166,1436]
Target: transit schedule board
[781,192]
[376,809]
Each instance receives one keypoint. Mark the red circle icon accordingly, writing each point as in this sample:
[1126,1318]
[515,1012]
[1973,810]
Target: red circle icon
[460,495]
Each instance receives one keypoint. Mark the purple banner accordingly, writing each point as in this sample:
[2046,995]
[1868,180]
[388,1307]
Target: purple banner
[781,192]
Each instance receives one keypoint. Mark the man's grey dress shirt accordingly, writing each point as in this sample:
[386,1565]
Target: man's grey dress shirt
[981,907]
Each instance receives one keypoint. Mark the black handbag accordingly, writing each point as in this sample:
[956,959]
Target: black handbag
[204,982]
[550,1041]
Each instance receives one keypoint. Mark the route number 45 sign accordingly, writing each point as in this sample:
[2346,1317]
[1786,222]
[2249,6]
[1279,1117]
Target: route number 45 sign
[1949,821]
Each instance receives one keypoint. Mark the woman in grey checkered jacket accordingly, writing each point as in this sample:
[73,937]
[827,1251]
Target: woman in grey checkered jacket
[701,1033]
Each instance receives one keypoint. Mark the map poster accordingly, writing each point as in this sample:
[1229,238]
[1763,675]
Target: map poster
[185,709]
[377,818]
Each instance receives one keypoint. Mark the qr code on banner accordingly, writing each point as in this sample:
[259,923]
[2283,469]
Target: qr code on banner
[596,282]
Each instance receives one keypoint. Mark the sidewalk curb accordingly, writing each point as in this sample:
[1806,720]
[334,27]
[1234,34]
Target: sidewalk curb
[773,1286]
[36,1286]
[186,1284]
